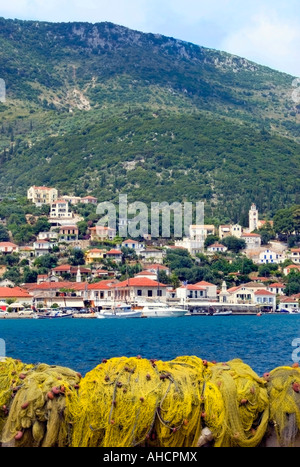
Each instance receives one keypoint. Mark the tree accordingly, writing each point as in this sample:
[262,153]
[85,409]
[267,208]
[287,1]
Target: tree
[284,222]
[234,244]
[4,236]
[77,257]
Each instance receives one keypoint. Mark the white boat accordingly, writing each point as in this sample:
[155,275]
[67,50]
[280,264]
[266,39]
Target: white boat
[119,311]
[161,310]
[223,313]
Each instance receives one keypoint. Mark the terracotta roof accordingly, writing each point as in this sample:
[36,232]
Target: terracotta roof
[205,284]
[192,287]
[8,244]
[16,292]
[139,282]
[103,285]
[264,292]
[59,285]
[277,286]
[114,252]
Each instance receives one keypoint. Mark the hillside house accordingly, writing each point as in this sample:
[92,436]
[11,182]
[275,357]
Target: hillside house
[293,267]
[42,247]
[252,240]
[294,255]
[68,233]
[42,195]
[94,255]
[270,257]
[89,200]
[99,233]
[8,248]
[133,245]
[114,255]
[60,210]
[217,248]
[230,231]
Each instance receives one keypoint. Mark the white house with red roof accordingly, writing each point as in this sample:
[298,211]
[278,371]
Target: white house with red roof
[15,294]
[202,291]
[114,255]
[276,288]
[139,289]
[252,240]
[251,293]
[8,248]
[217,248]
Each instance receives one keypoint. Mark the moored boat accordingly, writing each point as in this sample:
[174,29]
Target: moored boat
[161,310]
[120,311]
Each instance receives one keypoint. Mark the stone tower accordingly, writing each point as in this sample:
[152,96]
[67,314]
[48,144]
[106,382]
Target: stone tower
[253,218]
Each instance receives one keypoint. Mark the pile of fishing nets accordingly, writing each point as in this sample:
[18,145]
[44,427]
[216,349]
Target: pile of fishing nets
[130,402]
[35,403]
[284,395]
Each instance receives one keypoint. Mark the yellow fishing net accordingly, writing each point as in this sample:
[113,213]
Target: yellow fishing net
[284,395]
[242,418]
[129,402]
[36,415]
[12,373]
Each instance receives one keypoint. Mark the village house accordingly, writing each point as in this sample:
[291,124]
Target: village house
[64,294]
[68,233]
[66,270]
[230,231]
[134,245]
[114,255]
[8,248]
[252,293]
[293,267]
[217,248]
[202,291]
[157,267]
[99,233]
[51,235]
[197,236]
[14,297]
[139,290]
[294,255]
[276,288]
[89,200]
[289,303]
[252,240]
[270,257]
[94,256]
[60,210]
[42,247]
[153,255]
[42,195]
[101,294]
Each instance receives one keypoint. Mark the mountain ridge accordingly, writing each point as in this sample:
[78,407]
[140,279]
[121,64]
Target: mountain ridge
[80,82]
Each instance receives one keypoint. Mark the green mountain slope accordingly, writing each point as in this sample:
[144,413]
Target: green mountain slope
[104,109]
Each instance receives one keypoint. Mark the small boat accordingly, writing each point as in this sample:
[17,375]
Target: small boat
[55,314]
[120,311]
[222,313]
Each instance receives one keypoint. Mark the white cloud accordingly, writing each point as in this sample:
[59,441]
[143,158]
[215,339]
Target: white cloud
[268,40]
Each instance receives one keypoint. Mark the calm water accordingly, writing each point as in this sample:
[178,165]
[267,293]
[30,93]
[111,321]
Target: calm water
[264,343]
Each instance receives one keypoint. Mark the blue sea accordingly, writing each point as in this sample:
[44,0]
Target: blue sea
[264,342]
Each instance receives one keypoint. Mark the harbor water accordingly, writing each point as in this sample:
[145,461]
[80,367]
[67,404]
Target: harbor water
[264,342]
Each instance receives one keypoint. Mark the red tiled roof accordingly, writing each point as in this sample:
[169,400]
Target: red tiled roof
[114,252]
[277,286]
[192,287]
[264,292]
[205,284]
[156,266]
[16,292]
[8,244]
[139,282]
[251,235]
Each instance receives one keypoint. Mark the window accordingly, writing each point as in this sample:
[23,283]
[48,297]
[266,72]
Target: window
[149,293]
[159,293]
[139,293]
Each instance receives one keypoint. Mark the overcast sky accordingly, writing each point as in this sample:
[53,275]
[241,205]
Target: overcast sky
[265,31]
